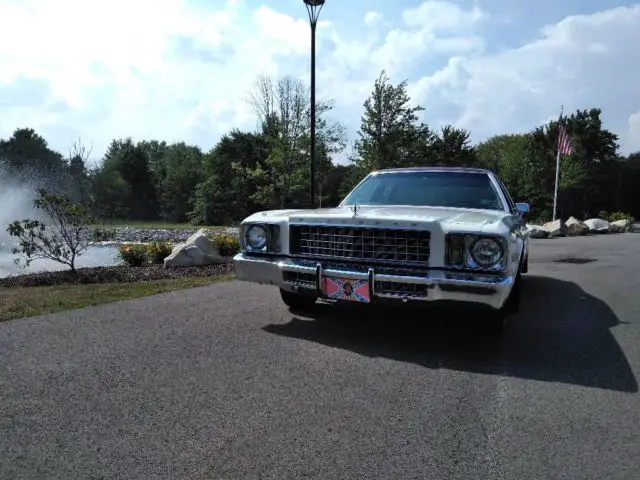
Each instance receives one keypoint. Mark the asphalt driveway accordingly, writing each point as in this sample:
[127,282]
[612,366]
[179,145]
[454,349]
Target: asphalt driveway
[224,382]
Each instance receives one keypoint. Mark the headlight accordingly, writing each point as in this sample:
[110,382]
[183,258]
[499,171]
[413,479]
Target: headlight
[256,237]
[486,252]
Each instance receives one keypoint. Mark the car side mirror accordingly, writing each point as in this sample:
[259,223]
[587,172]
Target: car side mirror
[522,208]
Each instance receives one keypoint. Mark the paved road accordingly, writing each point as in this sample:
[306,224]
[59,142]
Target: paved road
[223,382]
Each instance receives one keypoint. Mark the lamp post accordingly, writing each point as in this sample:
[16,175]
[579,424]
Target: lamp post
[313,8]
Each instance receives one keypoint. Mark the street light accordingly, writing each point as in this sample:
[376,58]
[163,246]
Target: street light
[313,8]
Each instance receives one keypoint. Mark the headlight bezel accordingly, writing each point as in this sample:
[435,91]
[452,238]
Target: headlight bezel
[272,238]
[473,259]
[459,248]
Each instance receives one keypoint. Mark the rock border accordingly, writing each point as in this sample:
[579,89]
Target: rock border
[574,227]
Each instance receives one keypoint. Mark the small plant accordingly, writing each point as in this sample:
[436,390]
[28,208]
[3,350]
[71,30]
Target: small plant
[137,255]
[158,251]
[228,245]
[103,234]
[134,255]
[62,241]
[615,216]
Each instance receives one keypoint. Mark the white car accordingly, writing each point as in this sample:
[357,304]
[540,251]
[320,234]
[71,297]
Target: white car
[425,234]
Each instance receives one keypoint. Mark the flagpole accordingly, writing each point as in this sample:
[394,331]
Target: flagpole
[555,193]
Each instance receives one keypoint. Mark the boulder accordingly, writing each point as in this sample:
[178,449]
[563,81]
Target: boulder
[597,225]
[537,231]
[620,226]
[575,227]
[198,250]
[556,228]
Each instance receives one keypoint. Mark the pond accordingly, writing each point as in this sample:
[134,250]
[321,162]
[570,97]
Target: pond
[94,256]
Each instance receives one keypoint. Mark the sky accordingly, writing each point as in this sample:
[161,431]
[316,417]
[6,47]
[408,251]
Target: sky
[182,70]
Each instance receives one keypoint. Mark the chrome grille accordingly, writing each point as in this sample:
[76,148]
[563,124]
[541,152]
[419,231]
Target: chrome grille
[361,243]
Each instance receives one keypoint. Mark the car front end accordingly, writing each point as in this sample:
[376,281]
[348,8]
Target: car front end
[382,255]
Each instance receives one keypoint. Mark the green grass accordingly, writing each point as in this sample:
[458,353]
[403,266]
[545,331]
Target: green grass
[156,225]
[19,302]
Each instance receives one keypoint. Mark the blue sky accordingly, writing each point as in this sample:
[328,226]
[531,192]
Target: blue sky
[182,69]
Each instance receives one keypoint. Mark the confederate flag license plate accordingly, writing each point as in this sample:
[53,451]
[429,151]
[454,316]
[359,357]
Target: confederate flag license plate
[346,289]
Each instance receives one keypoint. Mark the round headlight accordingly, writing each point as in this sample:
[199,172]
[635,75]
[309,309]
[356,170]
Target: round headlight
[256,237]
[486,252]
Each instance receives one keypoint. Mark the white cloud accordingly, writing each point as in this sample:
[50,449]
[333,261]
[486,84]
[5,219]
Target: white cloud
[371,18]
[173,71]
[584,61]
[442,16]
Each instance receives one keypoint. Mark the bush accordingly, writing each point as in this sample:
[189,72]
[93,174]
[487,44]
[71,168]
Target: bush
[158,251]
[615,216]
[63,240]
[228,245]
[136,255]
[103,234]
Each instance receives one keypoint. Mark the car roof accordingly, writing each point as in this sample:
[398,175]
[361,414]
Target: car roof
[434,169]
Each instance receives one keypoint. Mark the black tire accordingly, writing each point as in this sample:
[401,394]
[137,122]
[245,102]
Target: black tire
[525,265]
[297,301]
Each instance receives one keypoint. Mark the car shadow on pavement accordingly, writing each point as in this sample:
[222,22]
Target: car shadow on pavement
[562,334]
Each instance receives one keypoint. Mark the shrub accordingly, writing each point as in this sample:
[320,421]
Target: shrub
[228,245]
[62,241]
[158,251]
[615,216]
[134,255]
[103,234]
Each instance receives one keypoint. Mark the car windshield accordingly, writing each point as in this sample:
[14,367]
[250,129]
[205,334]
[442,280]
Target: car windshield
[427,188]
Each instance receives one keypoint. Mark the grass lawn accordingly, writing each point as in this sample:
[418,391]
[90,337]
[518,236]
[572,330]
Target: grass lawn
[156,225]
[18,302]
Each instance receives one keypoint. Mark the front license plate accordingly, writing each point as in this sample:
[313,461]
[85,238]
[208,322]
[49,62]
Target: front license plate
[346,289]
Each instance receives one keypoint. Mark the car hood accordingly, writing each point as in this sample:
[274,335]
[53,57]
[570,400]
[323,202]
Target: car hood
[381,215]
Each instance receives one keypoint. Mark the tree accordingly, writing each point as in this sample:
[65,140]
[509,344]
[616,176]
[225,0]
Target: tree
[390,134]
[132,165]
[507,155]
[452,148]
[181,167]
[229,191]
[284,114]
[78,183]
[27,156]
[63,241]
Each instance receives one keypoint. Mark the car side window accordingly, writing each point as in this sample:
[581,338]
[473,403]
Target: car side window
[505,192]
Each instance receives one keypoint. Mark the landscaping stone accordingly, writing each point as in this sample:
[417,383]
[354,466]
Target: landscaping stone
[620,226]
[597,225]
[575,227]
[556,228]
[197,251]
[537,231]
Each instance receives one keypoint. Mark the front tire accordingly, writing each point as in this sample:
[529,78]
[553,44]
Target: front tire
[297,301]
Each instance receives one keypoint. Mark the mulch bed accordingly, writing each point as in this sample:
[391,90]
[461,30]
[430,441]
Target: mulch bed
[114,274]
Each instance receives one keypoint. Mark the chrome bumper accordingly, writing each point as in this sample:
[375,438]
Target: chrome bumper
[437,285]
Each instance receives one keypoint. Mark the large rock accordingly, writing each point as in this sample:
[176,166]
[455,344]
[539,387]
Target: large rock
[556,228]
[575,227]
[537,231]
[620,226]
[197,251]
[597,225]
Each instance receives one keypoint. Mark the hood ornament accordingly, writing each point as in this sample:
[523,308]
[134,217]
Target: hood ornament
[355,208]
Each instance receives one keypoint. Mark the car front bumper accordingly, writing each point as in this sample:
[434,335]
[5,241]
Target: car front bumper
[306,276]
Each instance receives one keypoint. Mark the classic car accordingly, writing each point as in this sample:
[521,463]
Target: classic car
[423,234]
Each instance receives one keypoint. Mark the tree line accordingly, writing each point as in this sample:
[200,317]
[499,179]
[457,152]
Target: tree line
[268,167]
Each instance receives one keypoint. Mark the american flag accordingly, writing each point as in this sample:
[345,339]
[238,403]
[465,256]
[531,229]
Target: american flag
[564,142]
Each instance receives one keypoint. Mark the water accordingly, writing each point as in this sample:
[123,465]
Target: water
[94,256]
